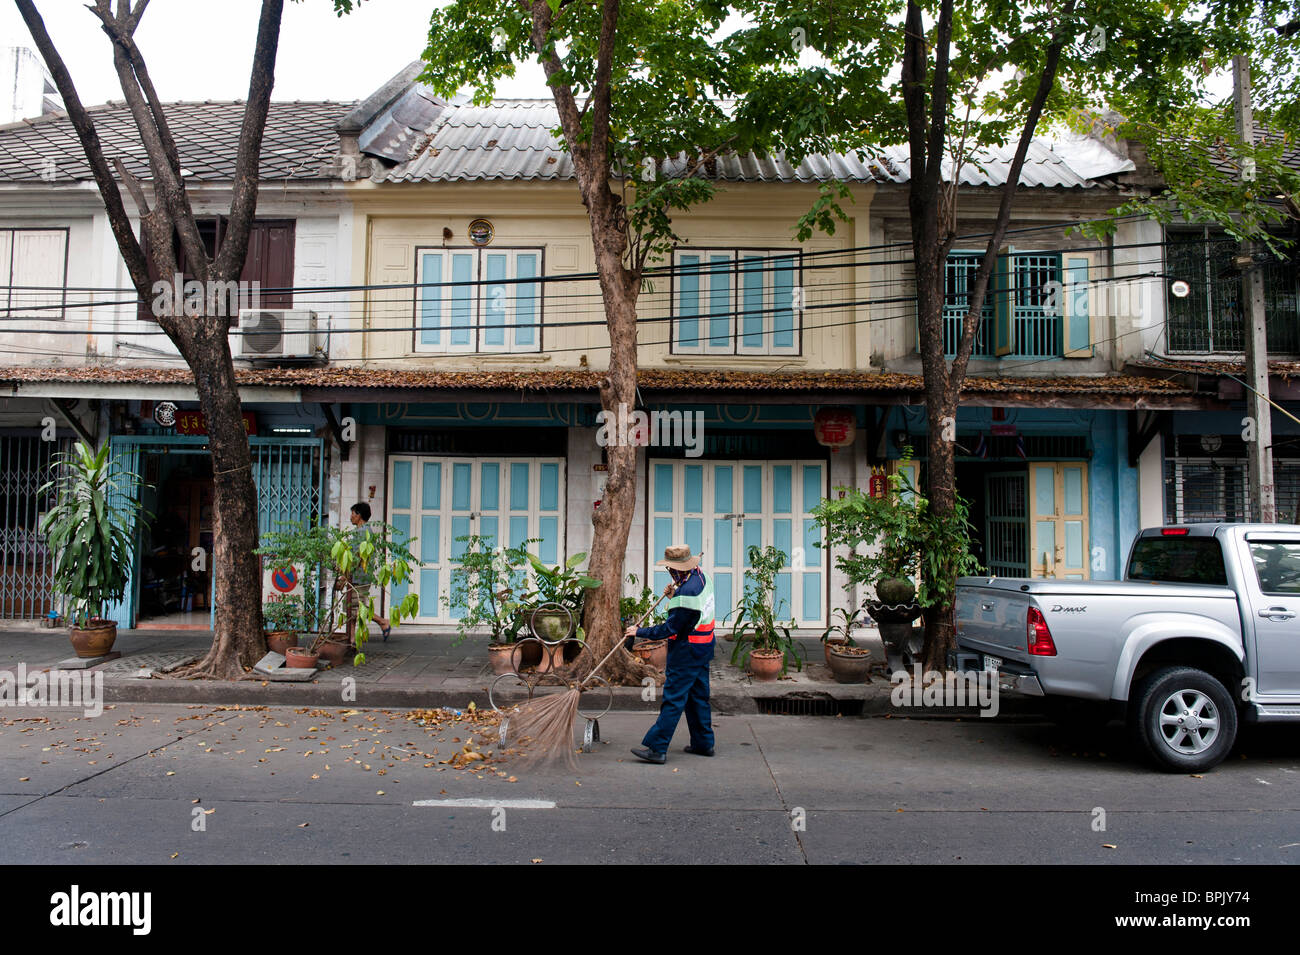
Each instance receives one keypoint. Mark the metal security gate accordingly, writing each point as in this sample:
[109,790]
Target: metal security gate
[290,478]
[25,567]
[1006,524]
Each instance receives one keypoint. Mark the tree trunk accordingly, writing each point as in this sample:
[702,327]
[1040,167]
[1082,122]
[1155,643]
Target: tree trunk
[941,421]
[612,520]
[941,414]
[238,641]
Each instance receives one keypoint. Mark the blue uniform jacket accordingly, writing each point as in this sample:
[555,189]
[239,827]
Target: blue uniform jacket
[681,621]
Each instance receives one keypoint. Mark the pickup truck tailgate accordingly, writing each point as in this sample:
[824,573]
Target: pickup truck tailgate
[991,616]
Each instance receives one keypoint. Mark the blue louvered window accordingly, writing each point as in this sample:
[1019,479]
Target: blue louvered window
[737,302]
[478,300]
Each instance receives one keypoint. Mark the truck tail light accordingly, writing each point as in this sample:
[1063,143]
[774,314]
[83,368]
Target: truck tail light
[1040,638]
[1173,531]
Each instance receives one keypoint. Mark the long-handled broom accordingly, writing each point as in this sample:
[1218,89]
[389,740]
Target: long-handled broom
[548,722]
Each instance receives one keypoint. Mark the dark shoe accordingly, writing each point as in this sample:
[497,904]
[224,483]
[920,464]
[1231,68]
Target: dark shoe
[697,752]
[650,756]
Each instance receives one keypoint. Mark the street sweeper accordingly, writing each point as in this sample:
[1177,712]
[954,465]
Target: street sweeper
[689,631]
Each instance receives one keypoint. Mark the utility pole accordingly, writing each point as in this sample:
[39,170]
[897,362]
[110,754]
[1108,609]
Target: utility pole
[1258,429]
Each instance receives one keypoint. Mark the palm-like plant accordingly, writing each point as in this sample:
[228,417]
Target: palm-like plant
[91,530]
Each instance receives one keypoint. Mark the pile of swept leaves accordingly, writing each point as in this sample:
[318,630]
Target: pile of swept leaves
[480,724]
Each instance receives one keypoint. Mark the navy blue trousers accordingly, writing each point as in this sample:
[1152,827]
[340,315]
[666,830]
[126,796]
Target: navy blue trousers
[686,690]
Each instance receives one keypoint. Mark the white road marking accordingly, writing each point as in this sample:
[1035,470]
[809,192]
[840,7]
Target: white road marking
[489,803]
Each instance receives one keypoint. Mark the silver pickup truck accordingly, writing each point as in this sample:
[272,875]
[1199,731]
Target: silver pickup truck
[1203,632]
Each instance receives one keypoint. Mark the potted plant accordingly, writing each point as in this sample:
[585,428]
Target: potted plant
[630,609]
[554,606]
[908,541]
[840,634]
[487,589]
[91,531]
[848,662]
[329,552]
[763,643]
[281,616]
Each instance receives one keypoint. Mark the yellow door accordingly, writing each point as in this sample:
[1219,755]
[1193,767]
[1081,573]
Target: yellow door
[1058,497]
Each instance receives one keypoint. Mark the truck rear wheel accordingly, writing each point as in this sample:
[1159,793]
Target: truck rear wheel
[1184,719]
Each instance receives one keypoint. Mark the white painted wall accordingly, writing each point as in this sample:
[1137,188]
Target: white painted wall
[1151,486]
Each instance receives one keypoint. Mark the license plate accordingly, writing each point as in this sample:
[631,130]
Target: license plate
[992,664]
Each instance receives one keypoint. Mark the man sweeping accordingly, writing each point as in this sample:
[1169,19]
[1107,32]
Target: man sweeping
[689,631]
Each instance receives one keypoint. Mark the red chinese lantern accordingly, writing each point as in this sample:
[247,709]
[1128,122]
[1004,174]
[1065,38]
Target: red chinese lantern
[835,427]
[879,485]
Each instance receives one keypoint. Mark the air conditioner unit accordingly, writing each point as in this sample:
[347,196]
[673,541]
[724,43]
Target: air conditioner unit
[275,333]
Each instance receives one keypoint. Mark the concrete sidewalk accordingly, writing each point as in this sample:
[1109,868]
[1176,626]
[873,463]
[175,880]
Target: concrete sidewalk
[422,669]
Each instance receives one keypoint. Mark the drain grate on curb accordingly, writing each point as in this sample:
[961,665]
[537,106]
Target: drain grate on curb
[804,706]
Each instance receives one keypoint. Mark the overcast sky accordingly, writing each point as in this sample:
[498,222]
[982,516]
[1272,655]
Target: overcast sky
[202,49]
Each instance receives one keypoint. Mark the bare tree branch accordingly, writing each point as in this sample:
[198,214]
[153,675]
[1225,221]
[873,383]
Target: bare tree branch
[601,91]
[970,323]
[234,248]
[120,223]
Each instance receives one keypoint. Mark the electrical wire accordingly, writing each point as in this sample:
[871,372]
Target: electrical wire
[373,308]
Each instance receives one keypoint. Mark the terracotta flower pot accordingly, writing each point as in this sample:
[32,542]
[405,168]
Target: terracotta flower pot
[850,664]
[335,651]
[653,652]
[300,658]
[766,664]
[526,653]
[827,645]
[500,657]
[279,641]
[94,640]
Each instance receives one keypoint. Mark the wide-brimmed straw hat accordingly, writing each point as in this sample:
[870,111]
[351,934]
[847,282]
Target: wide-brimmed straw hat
[678,557]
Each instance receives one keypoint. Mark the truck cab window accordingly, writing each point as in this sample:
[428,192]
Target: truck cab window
[1178,560]
[1277,565]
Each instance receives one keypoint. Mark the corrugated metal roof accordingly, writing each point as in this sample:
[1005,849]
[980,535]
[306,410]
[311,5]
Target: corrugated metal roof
[511,139]
[300,140]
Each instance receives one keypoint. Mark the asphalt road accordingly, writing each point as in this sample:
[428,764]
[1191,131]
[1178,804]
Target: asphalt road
[173,784]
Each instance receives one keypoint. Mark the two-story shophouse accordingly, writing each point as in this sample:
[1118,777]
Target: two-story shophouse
[480,340]
[444,248]
[81,357]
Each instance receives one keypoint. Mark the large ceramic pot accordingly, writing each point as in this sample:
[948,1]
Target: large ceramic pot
[766,664]
[552,625]
[653,652]
[300,658]
[278,641]
[93,640]
[829,644]
[850,664]
[895,590]
[499,657]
